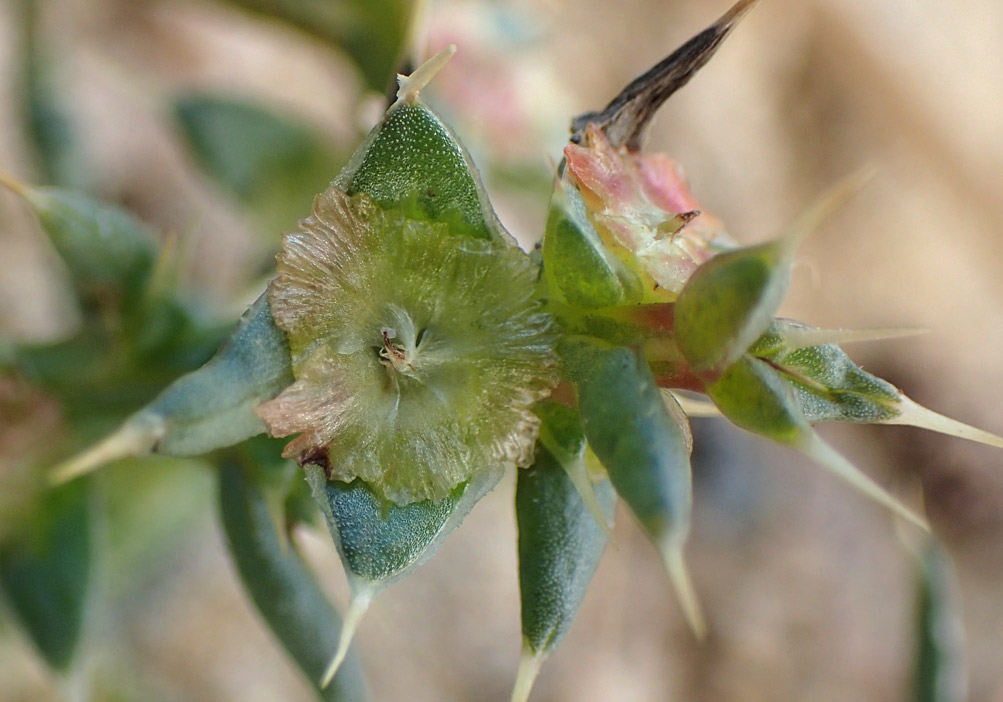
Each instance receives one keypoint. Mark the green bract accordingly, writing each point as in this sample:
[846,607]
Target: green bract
[580,269]
[643,441]
[828,384]
[728,303]
[560,544]
[282,586]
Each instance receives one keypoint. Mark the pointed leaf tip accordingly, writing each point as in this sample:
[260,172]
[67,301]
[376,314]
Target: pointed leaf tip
[800,337]
[529,667]
[628,115]
[135,437]
[823,208]
[578,472]
[411,85]
[691,406]
[679,574]
[914,414]
[825,455]
[356,609]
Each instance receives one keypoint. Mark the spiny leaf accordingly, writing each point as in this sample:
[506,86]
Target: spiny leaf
[644,447]
[380,542]
[560,545]
[412,161]
[756,397]
[107,251]
[730,301]
[829,386]
[210,408]
[282,587]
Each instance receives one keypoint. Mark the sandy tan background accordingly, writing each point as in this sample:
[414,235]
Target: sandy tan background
[809,594]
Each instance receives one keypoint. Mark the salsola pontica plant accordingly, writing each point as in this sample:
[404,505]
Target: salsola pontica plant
[415,354]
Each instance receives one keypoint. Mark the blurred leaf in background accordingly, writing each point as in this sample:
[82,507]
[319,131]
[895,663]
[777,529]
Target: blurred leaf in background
[272,164]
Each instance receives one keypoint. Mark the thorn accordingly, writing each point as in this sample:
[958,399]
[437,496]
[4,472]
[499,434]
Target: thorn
[411,85]
[627,116]
[356,608]
[826,456]
[916,415]
[138,435]
[529,668]
[823,208]
[803,337]
[675,564]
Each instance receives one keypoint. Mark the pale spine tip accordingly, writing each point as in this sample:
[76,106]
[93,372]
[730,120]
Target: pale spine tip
[915,415]
[822,209]
[691,406]
[135,437]
[800,338]
[826,456]
[356,609]
[410,86]
[529,667]
[679,574]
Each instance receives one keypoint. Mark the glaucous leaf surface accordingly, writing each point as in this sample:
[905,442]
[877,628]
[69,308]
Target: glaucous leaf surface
[560,544]
[107,251]
[644,442]
[282,587]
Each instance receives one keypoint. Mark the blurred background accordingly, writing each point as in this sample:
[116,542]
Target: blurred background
[216,123]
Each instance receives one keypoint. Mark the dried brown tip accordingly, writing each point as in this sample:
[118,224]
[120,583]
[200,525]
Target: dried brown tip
[627,116]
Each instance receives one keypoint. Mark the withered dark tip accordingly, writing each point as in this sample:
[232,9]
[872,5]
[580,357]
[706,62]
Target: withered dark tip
[627,116]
